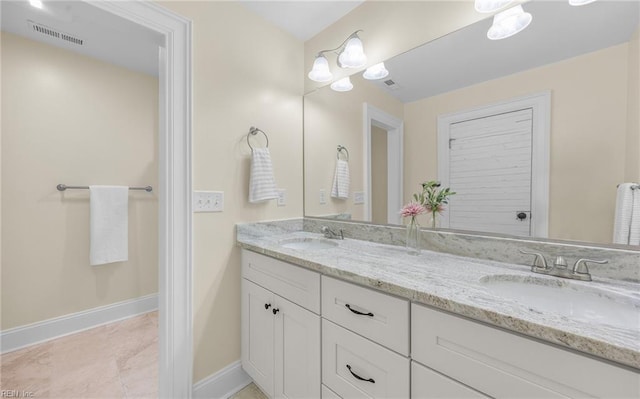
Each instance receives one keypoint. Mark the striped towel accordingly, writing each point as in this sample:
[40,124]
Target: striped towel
[262,185]
[341,181]
[634,230]
[624,209]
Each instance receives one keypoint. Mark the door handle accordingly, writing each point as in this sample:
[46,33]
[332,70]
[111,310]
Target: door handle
[356,312]
[371,380]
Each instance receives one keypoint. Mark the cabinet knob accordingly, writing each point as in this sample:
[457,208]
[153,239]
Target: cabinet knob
[275,310]
[267,305]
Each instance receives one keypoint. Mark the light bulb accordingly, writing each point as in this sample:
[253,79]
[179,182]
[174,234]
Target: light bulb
[353,54]
[320,71]
[486,6]
[36,3]
[377,71]
[343,84]
[580,2]
[508,23]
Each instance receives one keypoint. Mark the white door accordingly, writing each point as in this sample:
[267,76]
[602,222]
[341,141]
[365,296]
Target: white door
[490,170]
[257,334]
[297,351]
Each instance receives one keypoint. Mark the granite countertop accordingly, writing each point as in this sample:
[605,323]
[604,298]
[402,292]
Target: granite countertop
[459,285]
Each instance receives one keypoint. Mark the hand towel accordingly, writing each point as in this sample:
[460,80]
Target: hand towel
[341,180]
[624,207]
[109,231]
[262,184]
[634,229]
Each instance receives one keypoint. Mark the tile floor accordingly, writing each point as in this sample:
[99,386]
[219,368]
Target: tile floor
[118,360]
[251,391]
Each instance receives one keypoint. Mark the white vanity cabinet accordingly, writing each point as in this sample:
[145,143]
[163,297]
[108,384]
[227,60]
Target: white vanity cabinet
[280,339]
[501,364]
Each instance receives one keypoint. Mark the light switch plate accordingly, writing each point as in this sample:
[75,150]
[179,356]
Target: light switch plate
[323,197]
[358,197]
[282,197]
[208,201]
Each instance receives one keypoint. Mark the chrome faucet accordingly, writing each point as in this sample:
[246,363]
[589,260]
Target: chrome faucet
[328,233]
[580,271]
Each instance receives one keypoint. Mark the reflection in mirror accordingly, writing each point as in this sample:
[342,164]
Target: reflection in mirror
[533,132]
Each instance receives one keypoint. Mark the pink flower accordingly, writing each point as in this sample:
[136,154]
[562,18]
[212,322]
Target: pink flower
[412,209]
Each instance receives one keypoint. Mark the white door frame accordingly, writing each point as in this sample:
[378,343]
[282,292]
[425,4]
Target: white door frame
[373,116]
[175,241]
[541,129]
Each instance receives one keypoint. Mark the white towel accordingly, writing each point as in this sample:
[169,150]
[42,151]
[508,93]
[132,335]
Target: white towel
[634,230]
[341,180]
[624,208]
[109,206]
[262,184]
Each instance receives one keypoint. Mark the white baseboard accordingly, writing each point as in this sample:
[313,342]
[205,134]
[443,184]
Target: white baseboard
[222,384]
[20,337]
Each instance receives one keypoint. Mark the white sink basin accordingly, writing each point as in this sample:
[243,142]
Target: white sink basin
[308,244]
[576,302]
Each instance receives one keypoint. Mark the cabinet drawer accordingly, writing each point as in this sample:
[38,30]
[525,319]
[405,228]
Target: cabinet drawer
[294,283]
[329,394]
[503,364]
[354,367]
[427,384]
[380,317]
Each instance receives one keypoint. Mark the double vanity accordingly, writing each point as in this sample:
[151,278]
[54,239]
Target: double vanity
[345,318]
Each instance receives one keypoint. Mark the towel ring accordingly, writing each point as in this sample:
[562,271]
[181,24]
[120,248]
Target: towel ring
[340,149]
[252,132]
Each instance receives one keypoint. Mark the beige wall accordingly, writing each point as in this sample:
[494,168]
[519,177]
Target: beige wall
[333,118]
[246,72]
[74,120]
[379,176]
[632,166]
[389,28]
[588,116]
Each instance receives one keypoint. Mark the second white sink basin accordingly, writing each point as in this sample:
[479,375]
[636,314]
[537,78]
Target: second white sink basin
[575,301]
[308,244]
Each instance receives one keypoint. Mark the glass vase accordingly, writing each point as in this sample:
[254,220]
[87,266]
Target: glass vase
[434,222]
[413,237]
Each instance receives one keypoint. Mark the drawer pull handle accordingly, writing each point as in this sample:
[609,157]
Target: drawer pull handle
[267,306]
[360,313]
[371,380]
[275,310]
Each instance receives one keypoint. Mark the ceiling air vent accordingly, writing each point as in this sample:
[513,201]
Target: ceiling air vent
[391,85]
[45,30]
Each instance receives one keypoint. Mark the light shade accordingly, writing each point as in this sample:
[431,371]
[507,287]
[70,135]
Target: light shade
[490,5]
[580,2]
[353,54]
[508,23]
[320,71]
[36,3]
[377,71]
[343,84]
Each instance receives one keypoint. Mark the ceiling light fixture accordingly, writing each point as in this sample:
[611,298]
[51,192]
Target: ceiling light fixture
[343,84]
[580,2]
[377,71]
[350,55]
[486,6]
[36,4]
[508,23]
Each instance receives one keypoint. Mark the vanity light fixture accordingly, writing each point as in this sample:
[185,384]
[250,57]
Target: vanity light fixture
[486,6]
[350,55]
[580,2]
[36,4]
[343,84]
[377,71]
[509,22]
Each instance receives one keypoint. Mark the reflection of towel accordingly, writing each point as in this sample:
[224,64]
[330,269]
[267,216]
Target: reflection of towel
[634,230]
[624,211]
[341,180]
[262,185]
[109,231]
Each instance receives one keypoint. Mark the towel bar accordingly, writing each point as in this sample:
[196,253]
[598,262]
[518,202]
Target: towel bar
[63,187]
[252,132]
[634,186]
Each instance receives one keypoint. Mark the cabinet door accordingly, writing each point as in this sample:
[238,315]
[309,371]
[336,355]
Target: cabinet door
[427,384]
[257,334]
[297,351]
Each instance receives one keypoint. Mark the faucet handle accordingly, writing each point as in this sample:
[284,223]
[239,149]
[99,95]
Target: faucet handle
[538,262]
[580,267]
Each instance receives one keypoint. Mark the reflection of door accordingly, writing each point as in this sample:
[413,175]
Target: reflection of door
[490,170]
[496,158]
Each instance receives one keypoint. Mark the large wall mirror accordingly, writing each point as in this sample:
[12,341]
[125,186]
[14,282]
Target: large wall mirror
[551,113]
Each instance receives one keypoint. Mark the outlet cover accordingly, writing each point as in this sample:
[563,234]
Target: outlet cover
[282,197]
[323,197]
[208,201]
[358,197]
